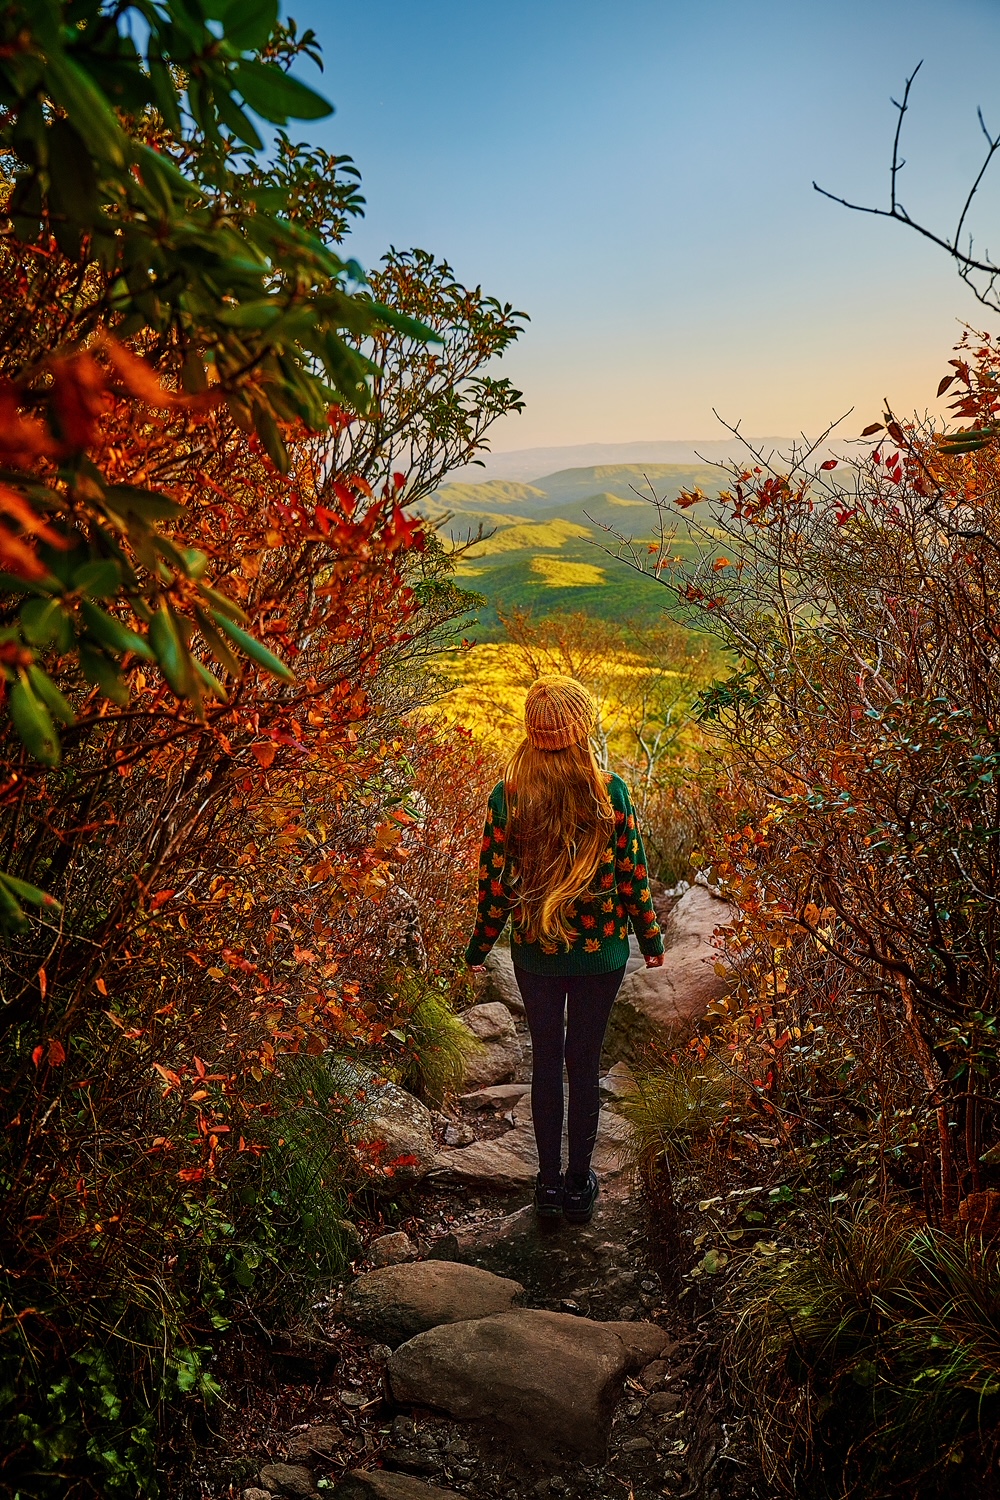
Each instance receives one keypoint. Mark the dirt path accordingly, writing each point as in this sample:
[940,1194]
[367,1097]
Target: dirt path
[668,1433]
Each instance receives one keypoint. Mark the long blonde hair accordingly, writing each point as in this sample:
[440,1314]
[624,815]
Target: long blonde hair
[559,824]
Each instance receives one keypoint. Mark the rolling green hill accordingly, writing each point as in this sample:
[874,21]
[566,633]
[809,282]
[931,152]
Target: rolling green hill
[542,544]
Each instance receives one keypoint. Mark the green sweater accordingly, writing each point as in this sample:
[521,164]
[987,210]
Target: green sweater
[619,895]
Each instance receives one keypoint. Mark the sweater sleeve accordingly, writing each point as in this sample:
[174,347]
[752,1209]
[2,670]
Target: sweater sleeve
[494,904]
[632,880]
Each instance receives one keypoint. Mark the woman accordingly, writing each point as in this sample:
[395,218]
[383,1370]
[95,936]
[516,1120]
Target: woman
[562,856]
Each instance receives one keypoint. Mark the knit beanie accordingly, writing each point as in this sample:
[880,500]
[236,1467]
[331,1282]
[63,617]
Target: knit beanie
[558,712]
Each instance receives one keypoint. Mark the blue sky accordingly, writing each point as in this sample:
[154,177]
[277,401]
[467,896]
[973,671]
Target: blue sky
[637,177]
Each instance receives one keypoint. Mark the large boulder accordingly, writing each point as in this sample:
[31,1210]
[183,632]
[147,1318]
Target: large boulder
[496,1058]
[679,992]
[378,1484]
[546,1381]
[500,981]
[396,1302]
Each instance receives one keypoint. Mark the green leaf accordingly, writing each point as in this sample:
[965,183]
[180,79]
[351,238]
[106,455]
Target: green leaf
[33,723]
[73,181]
[276,96]
[59,707]
[98,580]
[210,681]
[126,500]
[103,675]
[86,107]
[237,121]
[257,20]
[26,892]
[12,917]
[253,648]
[171,652]
[216,644]
[44,622]
[111,633]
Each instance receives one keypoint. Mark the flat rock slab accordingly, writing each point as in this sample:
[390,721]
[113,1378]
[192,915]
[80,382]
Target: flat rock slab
[510,1162]
[681,991]
[497,1096]
[377,1484]
[397,1302]
[546,1381]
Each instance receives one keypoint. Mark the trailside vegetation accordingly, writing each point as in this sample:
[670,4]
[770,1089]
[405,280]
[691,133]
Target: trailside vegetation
[857,1162]
[217,802]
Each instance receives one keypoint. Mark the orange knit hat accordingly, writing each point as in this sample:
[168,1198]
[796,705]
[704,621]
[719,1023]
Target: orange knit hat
[558,712]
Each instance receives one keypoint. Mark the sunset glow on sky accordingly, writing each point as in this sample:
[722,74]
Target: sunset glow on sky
[637,177]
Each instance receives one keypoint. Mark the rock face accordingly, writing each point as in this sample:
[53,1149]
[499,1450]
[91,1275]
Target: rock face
[510,1161]
[397,1302]
[500,982]
[547,1381]
[380,1485]
[392,1116]
[687,983]
[496,1058]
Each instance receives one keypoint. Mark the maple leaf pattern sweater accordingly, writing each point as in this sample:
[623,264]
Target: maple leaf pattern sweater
[600,920]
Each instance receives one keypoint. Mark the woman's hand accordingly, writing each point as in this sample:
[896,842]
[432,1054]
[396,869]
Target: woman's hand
[477,968]
[654,960]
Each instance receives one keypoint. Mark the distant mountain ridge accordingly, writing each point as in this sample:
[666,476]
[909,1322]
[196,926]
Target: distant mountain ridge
[542,543]
[527,464]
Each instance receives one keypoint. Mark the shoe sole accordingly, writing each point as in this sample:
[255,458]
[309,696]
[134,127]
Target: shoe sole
[577,1216]
[548,1213]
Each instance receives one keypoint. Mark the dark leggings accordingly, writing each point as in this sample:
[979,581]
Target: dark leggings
[590,998]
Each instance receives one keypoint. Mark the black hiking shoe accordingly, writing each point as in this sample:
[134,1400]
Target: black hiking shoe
[579,1198]
[548,1198]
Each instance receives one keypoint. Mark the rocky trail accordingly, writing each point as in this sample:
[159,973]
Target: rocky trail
[480,1353]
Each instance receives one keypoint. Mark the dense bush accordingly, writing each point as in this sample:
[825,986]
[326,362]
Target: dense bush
[858,837]
[209,427]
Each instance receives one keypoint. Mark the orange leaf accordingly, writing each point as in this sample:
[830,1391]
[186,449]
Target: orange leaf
[263,753]
[136,376]
[57,1053]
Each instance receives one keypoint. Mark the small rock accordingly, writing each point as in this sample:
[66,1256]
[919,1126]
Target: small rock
[618,1082]
[288,1479]
[353,1399]
[390,1249]
[499,1052]
[379,1484]
[458,1135]
[322,1440]
[403,1429]
[644,1341]
[654,1374]
[635,1445]
[253,1493]
[662,1402]
[397,1302]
